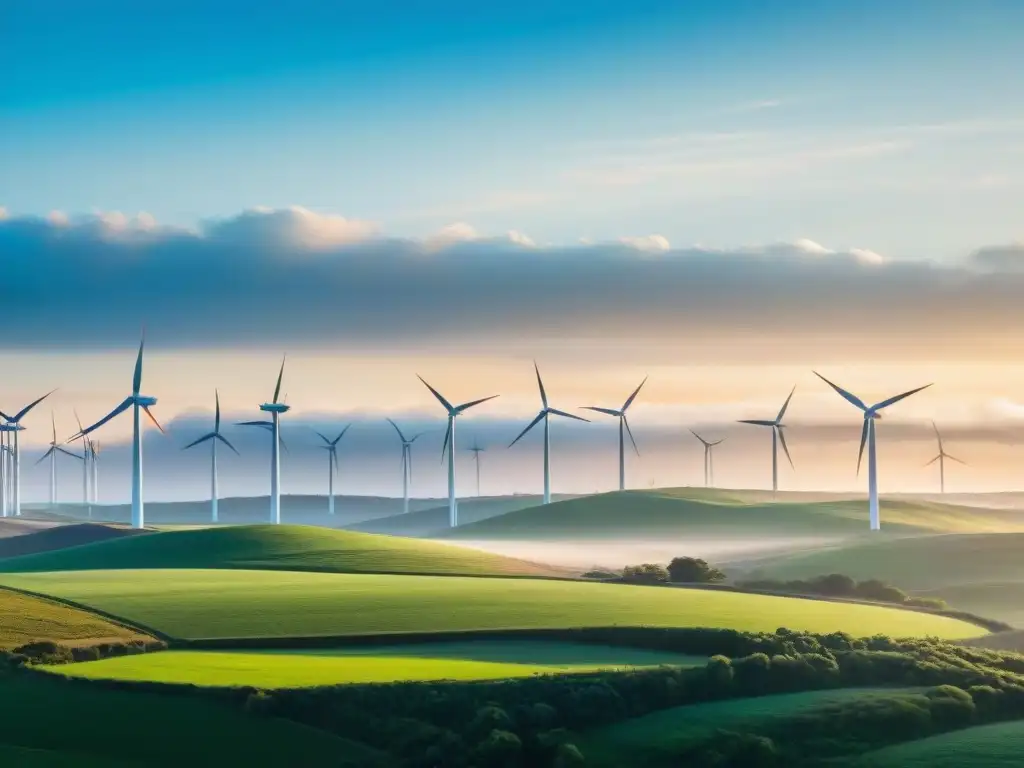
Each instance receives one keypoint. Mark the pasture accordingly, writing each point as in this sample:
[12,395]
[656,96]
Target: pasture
[25,619]
[985,746]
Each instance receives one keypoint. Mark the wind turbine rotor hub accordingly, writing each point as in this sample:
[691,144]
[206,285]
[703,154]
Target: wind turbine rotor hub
[275,407]
[143,401]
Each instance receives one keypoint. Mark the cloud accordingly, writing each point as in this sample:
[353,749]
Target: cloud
[298,278]
[1008,258]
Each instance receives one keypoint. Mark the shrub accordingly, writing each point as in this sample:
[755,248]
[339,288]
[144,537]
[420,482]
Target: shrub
[873,589]
[500,749]
[934,603]
[835,585]
[647,573]
[600,573]
[693,570]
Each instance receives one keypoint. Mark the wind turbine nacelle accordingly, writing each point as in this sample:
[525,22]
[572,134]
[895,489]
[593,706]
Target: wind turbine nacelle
[144,401]
[11,428]
[275,407]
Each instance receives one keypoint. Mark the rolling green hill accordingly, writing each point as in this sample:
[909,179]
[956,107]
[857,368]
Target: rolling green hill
[284,547]
[986,746]
[61,537]
[25,619]
[238,603]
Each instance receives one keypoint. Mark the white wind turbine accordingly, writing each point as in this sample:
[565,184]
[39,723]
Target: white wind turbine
[778,436]
[275,409]
[449,445]
[214,437]
[332,464]
[406,464]
[545,412]
[138,403]
[871,414]
[94,451]
[51,454]
[5,470]
[623,427]
[709,461]
[476,450]
[941,458]
[87,459]
[13,426]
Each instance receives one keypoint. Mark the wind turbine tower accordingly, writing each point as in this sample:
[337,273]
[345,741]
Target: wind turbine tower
[13,425]
[867,435]
[86,464]
[778,436]
[709,465]
[454,411]
[214,437]
[332,464]
[546,412]
[476,450]
[623,426]
[406,464]
[51,454]
[941,458]
[139,403]
[275,409]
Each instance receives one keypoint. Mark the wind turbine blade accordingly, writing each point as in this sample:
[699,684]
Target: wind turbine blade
[67,453]
[283,443]
[698,437]
[341,434]
[933,461]
[280,375]
[216,411]
[636,391]
[785,448]
[609,411]
[757,422]
[400,435]
[44,456]
[897,398]
[254,424]
[630,433]
[448,406]
[20,414]
[415,437]
[530,426]
[137,378]
[471,403]
[567,415]
[224,440]
[124,406]
[447,436]
[717,442]
[153,419]
[53,424]
[79,422]
[203,439]
[543,394]
[323,437]
[334,458]
[863,439]
[785,405]
[954,458]
[410,466]
[850,398]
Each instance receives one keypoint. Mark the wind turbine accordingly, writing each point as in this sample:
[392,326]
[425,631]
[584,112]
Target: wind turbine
[941,458]
[214,437]
[4,472]
[449,444]
[623,425]
[778,436]
[332,464]
[476,450]
[275,409]
[86,464]
[137,402]
[94,449]
[13,425]
[545,412]
[868,435]
[709,461]
[406,464]
[51,454]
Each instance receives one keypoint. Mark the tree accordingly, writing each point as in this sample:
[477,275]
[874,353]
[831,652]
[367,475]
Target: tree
[648,573]
[693,570]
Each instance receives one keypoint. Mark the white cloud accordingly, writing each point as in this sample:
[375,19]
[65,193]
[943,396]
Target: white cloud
[866,256]
[519,238]
[651,243]
[294,226]
[459,232]
[1009,257]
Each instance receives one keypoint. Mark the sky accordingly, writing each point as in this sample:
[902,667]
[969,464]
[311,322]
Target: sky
[723,196]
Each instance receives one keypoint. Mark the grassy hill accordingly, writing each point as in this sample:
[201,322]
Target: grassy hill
[237,603]
[986,746]
[61,537]
[703,512]
[285,547]
[24,619]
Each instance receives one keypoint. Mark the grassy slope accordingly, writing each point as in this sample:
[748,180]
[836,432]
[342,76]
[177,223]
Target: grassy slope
[695,512]
[138,728]
[24,619]
[986,746]
[652,739]
[61,537]
[210,604]
[432,521]
[481,660]
[286,547]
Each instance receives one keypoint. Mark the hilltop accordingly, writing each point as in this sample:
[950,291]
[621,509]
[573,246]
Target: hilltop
[61,537]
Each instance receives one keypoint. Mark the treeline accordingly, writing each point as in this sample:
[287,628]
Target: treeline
[682,570]
[841,585]
[48,652]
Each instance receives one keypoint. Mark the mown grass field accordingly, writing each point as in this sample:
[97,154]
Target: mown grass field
[96,727]
[235,603]
[656,739]
[24,619]
[278,547]
[480,660]
[988,746]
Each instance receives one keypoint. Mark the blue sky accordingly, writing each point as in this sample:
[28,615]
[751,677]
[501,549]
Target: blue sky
[723,123]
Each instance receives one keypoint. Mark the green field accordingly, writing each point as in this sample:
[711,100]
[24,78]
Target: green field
[115,728]
[653,740]
[24,619]
[986,746]
[278,547]
[479,660]
[234,603]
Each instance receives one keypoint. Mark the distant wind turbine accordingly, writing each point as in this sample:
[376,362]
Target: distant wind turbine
[545,412]
[13,426]
[51,454]
[214,437]
[476,450]
[871,414]
[94,450]
[623,425]
[137,402]
[709,461]
[941,458]
[449,445]
[778,436]
[86,464]
[5,471]
[406,464]
[332,464]
[275,409]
